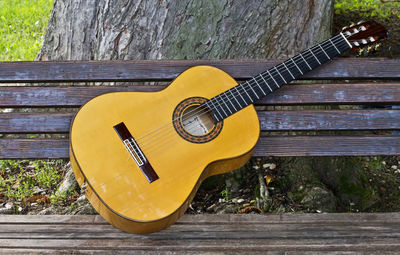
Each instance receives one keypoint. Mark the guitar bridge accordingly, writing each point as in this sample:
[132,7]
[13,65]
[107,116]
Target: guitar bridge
[135,152]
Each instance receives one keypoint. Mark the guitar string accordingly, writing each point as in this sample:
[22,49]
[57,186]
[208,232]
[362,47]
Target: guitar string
[250,86]
[160,145]
[204,112]
[307,54]
[199,113]
[164,143]
[143,142]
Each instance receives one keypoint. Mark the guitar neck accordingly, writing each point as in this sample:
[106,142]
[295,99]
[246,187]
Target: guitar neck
[249,91]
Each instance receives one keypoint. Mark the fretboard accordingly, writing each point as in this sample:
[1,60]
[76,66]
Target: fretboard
[249,91]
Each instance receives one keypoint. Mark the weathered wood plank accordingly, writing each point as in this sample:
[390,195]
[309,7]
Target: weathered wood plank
[23,96]
[89,231]
[270,121]
[33,148]
[349,93]
[205,252]
[267,146]
[214,234]
[35,122]
[145,70]
[219,242]
[221,219]
[329,120]
[372,93]
[327,146]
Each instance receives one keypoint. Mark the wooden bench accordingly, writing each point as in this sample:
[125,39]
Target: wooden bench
[334,131]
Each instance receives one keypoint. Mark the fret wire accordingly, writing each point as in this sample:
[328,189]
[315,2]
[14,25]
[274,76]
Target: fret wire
[304,58]
[333,50]
[228,101]
[251,99]
[328,46]
[222,108]
[273,79]
[297,66]
[235,99]
[347,41]
[288,70]
[213,108]
[259,86]
[343,45]
[334,46]
[339,43]
[251,87]
[301,55]
[280,74]
[314,56]
[266,82]
[338,40]
[324,51]
[240,94]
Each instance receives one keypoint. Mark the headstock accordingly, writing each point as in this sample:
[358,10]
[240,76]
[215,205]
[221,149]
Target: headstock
[365,33]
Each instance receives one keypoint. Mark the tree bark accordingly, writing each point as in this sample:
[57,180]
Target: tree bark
[185,29]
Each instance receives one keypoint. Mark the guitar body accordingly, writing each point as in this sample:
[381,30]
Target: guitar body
[181,158]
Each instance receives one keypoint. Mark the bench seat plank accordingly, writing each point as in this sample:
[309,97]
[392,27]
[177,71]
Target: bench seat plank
[208,234]
[156,70]
[270,121]
[267,146]
[307,94]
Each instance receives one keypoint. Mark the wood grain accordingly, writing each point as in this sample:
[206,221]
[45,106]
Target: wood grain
[267,146]
[35,122]
[287,218]
[327,146]
[157,70]
[33,148]
[354,93]
[311,120]
[262,234]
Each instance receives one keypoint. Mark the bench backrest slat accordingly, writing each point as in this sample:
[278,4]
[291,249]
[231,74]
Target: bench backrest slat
[267,146]
[370,93]
[156,70]
[312,120]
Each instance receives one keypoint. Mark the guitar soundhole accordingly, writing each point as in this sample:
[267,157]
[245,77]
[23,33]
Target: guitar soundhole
[194,122]
[197,120]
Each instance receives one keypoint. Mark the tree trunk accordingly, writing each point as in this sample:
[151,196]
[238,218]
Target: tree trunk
[186,29]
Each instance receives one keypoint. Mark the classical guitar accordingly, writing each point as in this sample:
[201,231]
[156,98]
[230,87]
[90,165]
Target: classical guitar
[143,155]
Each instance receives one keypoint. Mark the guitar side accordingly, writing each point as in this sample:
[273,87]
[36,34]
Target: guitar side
[117,188]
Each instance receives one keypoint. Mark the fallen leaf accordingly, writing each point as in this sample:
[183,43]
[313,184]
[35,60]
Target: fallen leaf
[250,209]
[268,179]
[42,198]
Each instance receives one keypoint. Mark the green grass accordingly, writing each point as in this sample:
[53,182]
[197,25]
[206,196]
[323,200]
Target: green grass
[18,179]
[22,27]
[368,8]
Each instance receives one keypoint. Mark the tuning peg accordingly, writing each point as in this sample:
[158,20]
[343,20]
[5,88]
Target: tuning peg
[352,24]
[377,46]
[360,22]
[344,28]
[369,49]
